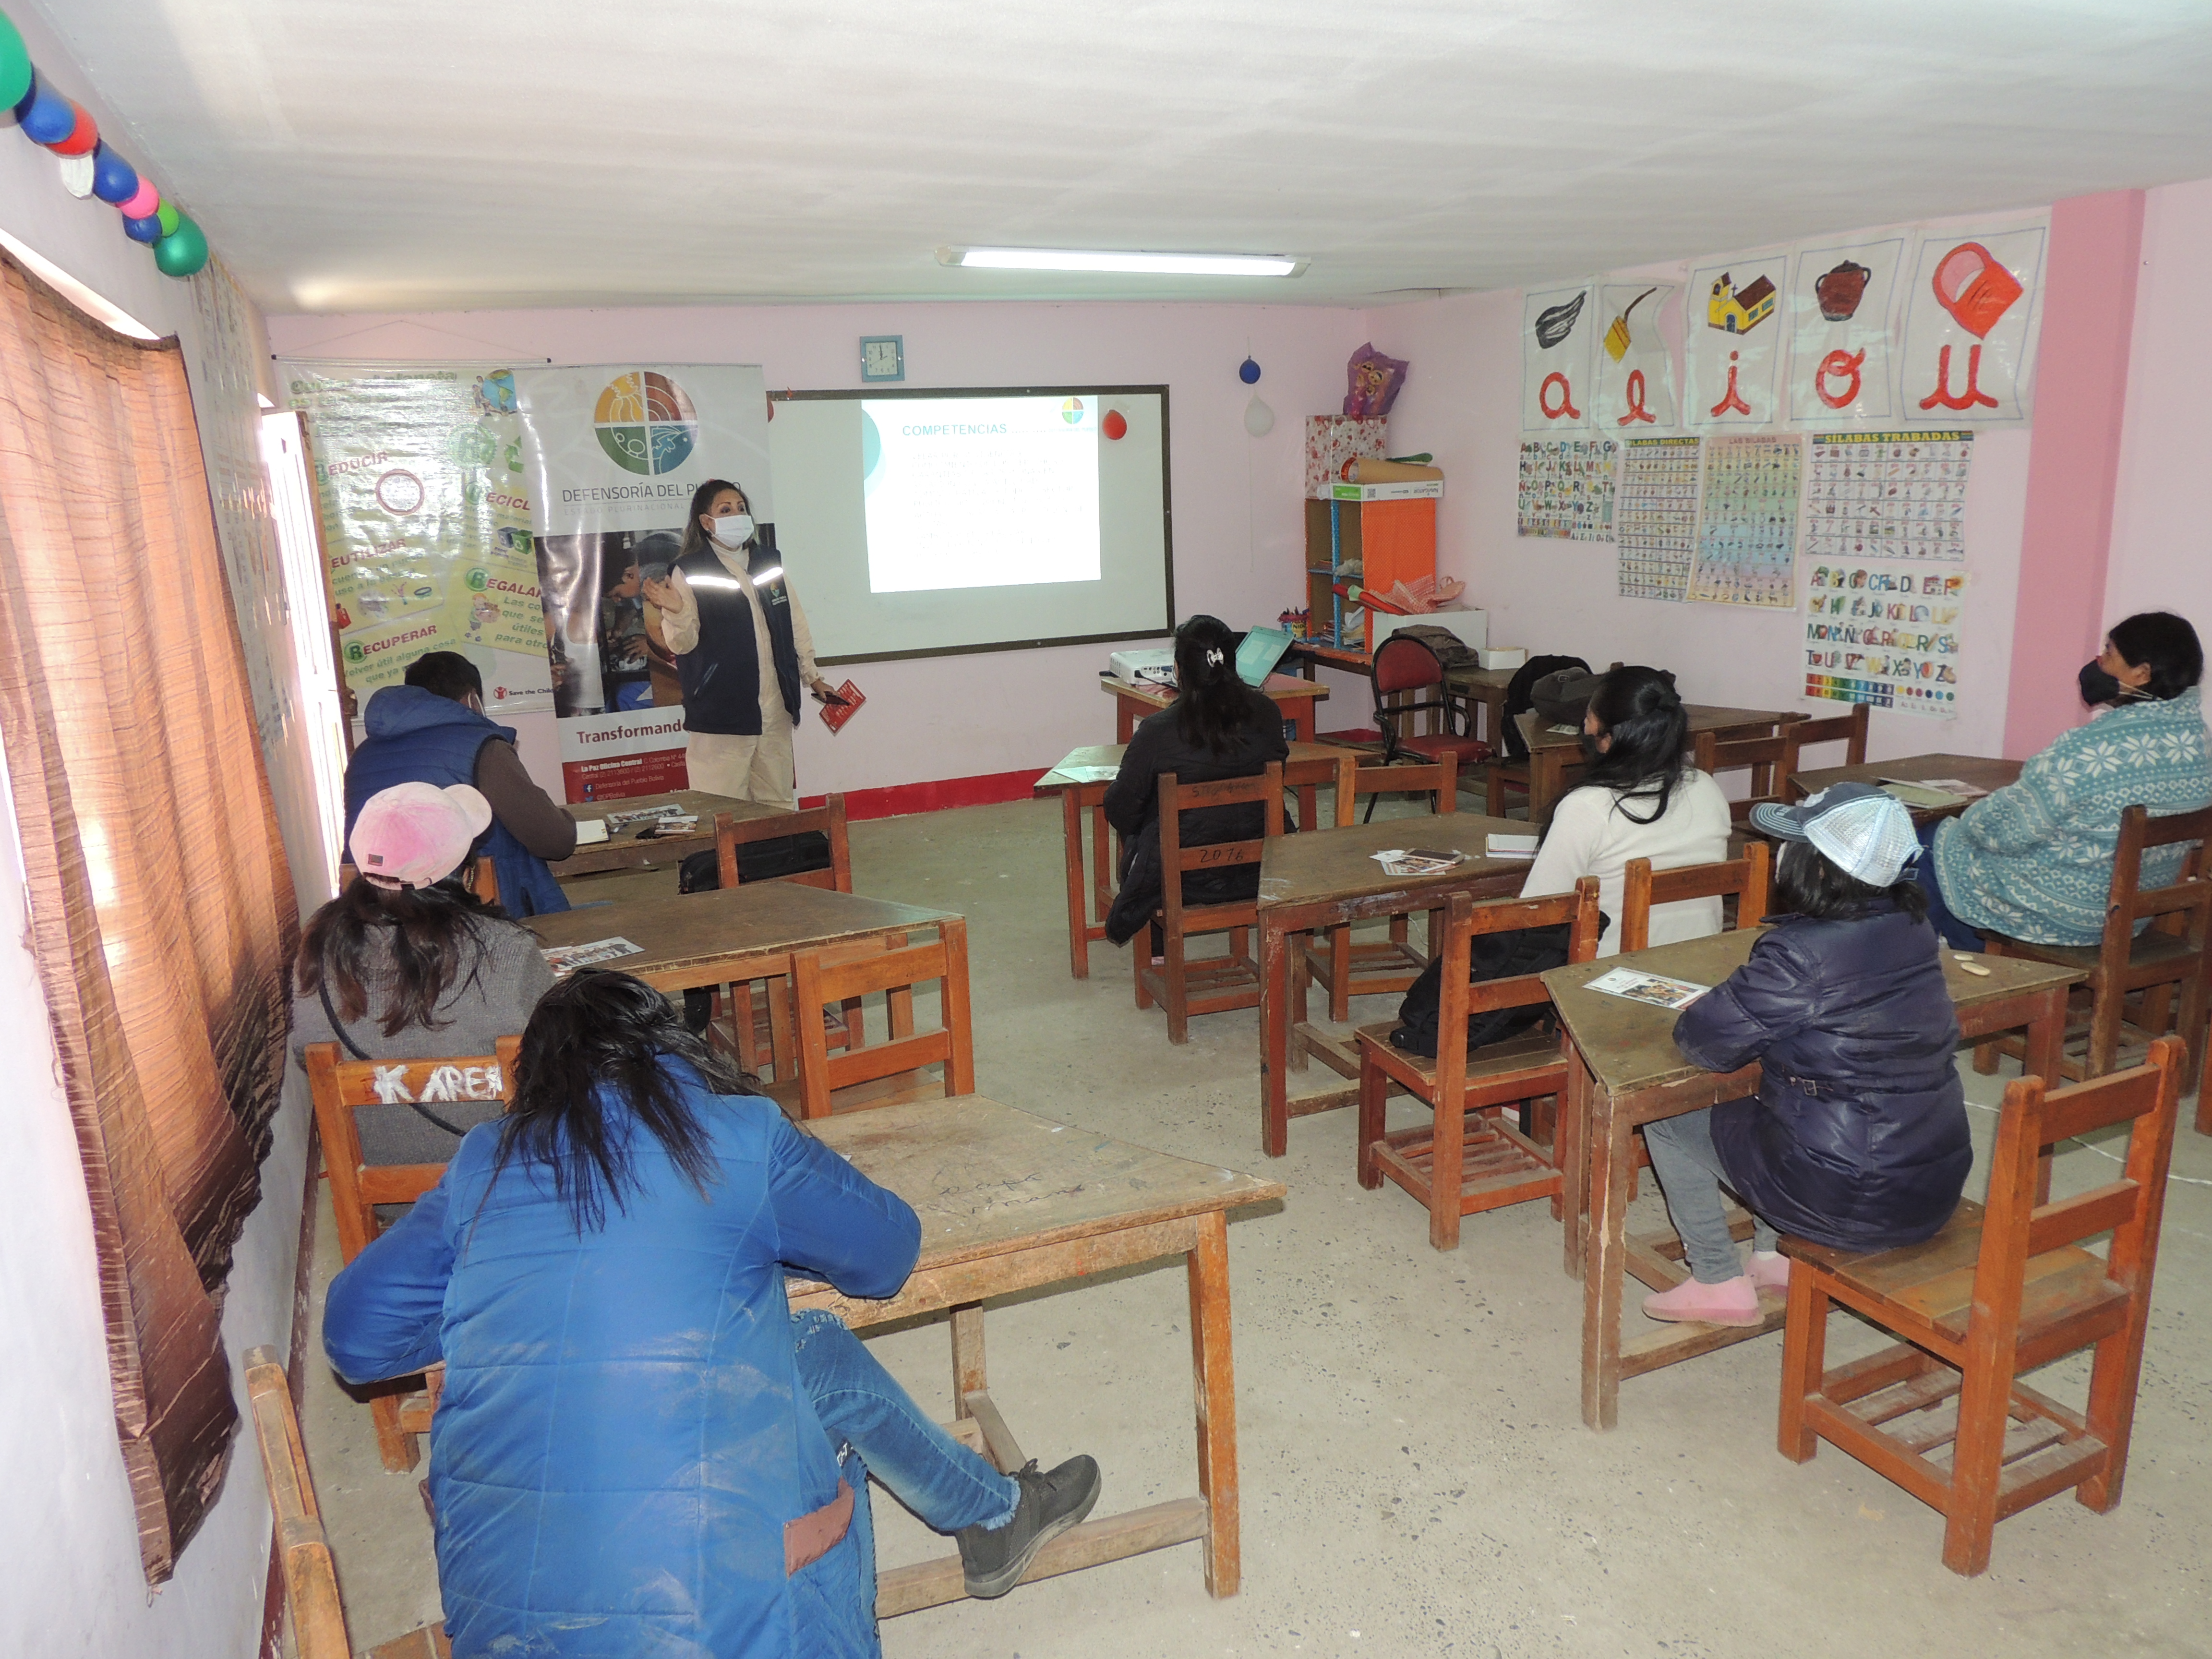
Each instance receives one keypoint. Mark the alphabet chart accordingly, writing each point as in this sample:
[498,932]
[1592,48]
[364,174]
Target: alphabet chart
[1657,517]
[1747,522]
[1887,496]
[1885,635]
[1566,488]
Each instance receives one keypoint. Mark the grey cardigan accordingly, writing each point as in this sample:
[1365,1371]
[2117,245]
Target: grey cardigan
[480,1007]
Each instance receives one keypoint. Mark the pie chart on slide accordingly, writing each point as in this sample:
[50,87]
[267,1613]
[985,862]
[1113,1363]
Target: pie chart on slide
[646,422]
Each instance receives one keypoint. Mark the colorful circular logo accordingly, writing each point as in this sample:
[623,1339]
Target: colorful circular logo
[495,392]
[400,492]
[646,422]
[1071,411]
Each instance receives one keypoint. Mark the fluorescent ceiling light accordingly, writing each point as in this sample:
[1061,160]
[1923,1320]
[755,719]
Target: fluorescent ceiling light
[1137,264]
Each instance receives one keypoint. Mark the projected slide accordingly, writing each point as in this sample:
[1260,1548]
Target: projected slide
[979,492]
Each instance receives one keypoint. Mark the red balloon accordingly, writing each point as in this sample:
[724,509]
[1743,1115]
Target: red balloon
[82,138]
[1113,426]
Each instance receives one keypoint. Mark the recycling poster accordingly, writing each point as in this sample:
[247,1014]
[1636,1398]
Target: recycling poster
[427,523]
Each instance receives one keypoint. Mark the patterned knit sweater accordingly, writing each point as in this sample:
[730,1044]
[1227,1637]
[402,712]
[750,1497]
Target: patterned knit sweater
[2034,860]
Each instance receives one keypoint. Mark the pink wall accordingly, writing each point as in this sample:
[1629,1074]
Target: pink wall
[2160,544]
[2074,462]
[1237,523]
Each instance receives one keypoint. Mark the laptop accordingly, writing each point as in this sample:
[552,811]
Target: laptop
[1263,648]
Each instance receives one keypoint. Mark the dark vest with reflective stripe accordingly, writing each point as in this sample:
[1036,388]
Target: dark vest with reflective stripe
[721,673]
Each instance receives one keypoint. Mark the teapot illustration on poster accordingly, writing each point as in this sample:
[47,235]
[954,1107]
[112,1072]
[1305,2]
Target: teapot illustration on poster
[1973,313]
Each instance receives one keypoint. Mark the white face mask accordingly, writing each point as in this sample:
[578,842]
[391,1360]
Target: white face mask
[734,532]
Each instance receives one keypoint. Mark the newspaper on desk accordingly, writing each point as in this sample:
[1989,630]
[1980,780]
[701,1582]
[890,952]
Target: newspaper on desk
[565,959]
[618,822]
[1403,861]
[1656,989]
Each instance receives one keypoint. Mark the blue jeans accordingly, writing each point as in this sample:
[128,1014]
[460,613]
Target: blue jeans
[876,1429]
[1953,932]
[1689,1166]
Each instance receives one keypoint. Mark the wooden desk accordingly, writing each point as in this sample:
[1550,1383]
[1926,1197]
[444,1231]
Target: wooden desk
[1977,769]
[1008,1202]
[1294,696]
[1079,798]
[1319,880]
[1484,688]
[1625,1071]
[1553,755]
[733,933]
[624,851]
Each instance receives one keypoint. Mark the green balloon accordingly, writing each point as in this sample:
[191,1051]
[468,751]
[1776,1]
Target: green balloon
[182,252]
[170,218]
[14,65]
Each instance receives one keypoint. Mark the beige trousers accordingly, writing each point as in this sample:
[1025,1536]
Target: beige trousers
[747,768]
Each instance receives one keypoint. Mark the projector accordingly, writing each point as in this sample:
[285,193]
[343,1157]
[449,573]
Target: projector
[1128,665]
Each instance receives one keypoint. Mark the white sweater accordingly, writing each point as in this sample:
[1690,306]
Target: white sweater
[1591,836]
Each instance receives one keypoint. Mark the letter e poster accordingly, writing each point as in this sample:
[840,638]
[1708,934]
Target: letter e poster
[1635,372]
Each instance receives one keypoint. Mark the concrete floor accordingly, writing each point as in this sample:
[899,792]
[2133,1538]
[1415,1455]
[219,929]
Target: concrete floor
[1417,1480]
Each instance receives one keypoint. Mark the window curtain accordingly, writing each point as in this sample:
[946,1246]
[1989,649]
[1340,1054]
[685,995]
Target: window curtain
[163,915]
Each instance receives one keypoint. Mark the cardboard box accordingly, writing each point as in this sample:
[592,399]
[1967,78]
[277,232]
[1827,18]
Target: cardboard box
[1333,440]
[1473,627]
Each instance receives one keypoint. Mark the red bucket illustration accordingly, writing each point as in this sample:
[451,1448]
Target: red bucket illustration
[1974,288]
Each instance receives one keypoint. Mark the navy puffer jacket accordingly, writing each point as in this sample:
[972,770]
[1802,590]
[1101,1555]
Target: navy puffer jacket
[1858,1136]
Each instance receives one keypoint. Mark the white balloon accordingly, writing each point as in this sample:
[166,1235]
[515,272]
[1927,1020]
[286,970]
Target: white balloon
[76,174]
[1258,419]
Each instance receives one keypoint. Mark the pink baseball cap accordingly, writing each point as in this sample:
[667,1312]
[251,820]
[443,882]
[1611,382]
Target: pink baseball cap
[414,833]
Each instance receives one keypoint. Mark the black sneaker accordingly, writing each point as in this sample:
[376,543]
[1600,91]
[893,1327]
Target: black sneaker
[992,1560]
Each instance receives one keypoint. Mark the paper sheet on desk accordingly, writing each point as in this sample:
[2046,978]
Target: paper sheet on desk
[565,959]
[1090,774]
[1656,989]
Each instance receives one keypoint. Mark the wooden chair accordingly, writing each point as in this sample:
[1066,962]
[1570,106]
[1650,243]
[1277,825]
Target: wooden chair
[820,978]
[1767,759]
[1453,1172]
[753,1021]
[1999,1291]
[1183,988]
[1850,729]
[1502,772]
[1744,879]
[2166,958]
[1346,968]
[1305,778]
[311,1583]
[339,1088]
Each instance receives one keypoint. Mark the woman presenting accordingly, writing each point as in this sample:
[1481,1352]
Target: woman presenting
[741,649]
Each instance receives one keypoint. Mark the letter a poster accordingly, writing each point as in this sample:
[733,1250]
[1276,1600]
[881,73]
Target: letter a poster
[1558,327]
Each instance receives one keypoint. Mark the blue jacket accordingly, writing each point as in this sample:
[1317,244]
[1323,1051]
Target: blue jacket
[2034,860]
[1858,1136]
[623,1435]
[721,675]
[417,736]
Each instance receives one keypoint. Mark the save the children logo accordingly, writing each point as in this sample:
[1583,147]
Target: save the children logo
[646,422]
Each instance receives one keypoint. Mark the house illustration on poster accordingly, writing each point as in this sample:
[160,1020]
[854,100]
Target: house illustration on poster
[1738,313]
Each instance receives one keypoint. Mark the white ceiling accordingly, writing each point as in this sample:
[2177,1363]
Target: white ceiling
[376,154]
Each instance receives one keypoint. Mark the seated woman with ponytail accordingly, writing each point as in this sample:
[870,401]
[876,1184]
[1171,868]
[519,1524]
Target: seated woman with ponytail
[408,964]
[1217,727]
[1640,798]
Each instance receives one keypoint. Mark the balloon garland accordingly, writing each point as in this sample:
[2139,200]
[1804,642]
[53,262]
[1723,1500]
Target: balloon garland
[66,128]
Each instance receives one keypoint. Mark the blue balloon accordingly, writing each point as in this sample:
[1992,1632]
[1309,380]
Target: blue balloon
[114,179]
[148,230]
[1248,372]
[50,118]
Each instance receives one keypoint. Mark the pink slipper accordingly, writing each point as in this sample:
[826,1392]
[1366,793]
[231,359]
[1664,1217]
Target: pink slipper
[1733,1303]
[1770,1274]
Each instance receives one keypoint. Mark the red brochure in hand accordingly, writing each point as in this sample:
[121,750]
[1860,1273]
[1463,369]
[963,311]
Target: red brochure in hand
[836,713]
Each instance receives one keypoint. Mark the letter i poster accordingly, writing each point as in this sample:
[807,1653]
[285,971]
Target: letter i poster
[1747,522]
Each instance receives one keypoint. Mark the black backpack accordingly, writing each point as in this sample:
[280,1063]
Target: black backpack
[757,860]
[1519,703]
[1507,954]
